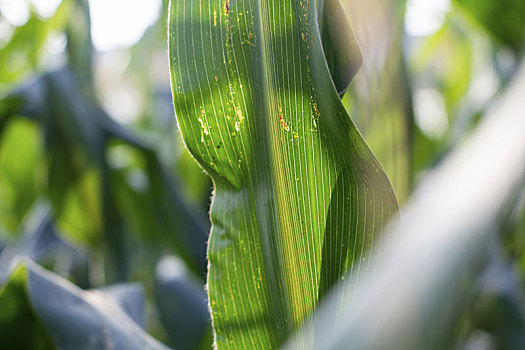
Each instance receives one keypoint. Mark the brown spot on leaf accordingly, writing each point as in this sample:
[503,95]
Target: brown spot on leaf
[281,119]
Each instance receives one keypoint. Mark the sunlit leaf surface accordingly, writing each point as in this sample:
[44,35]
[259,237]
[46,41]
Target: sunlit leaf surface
[299,197]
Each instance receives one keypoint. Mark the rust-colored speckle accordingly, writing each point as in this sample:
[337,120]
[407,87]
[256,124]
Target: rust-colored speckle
[283,122]
[317,113]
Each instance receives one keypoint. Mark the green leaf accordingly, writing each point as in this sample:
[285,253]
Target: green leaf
[504,20]
[79,45]
[53,308]
[436,255]
[154,209]
[299,197]
[341,49]
[74,142]
[90,203]
[21,174]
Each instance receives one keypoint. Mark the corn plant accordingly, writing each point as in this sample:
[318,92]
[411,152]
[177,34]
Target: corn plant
[304,114]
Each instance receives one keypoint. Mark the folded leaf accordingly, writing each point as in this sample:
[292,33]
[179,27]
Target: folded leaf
[299,197]
[341,49]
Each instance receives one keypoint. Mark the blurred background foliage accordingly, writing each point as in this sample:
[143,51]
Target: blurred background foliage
[96,185]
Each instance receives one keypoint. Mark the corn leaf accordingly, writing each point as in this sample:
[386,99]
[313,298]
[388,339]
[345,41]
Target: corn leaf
[299,197]
[435,261]
[43,311]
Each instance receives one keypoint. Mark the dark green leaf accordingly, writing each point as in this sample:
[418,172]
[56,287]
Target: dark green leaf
[504,19]
[341,49]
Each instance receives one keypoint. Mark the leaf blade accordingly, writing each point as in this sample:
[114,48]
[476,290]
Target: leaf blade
[257,108]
